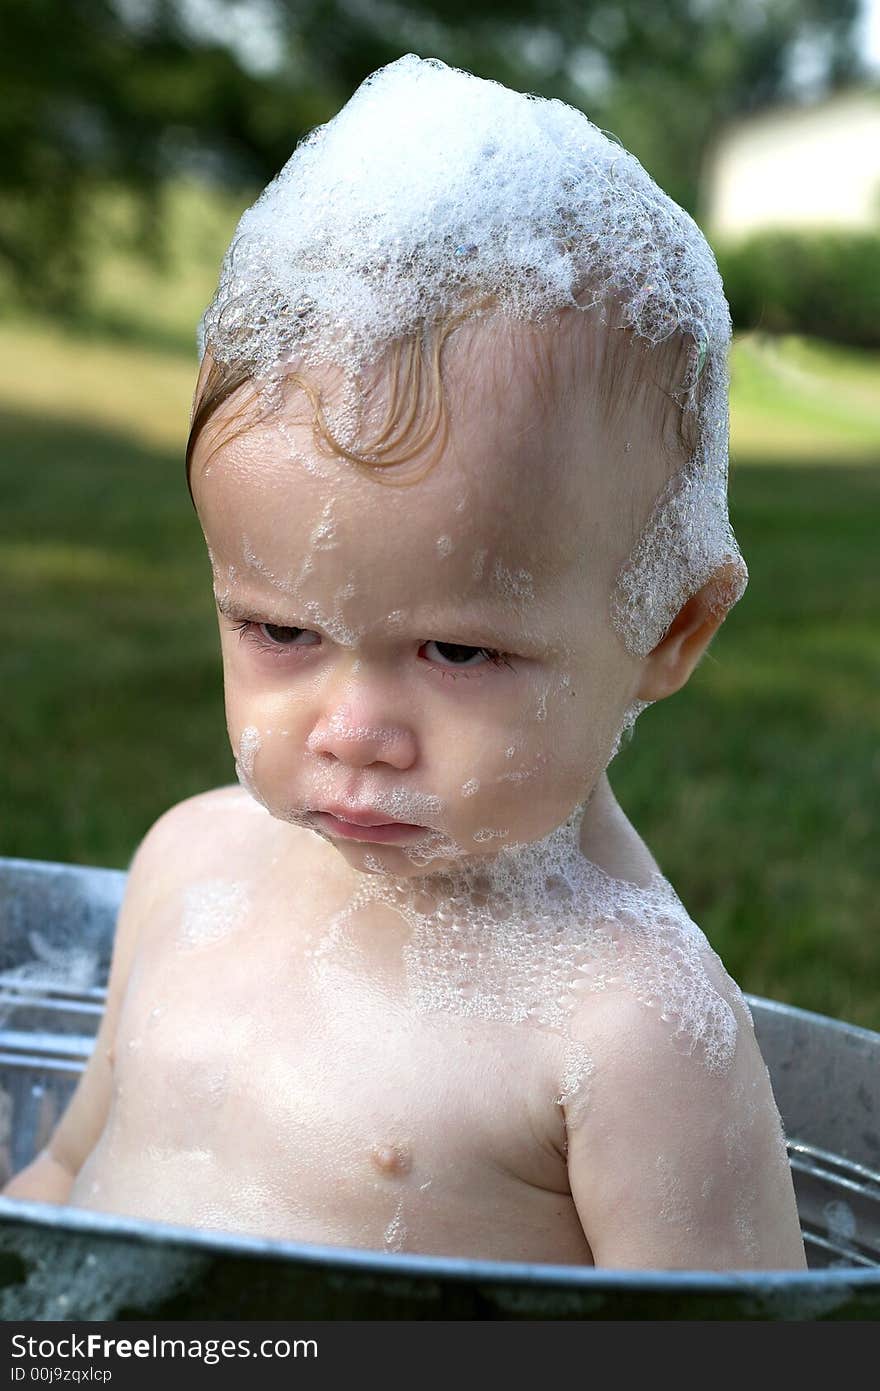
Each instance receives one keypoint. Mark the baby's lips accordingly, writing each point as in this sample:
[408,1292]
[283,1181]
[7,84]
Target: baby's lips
[362,817]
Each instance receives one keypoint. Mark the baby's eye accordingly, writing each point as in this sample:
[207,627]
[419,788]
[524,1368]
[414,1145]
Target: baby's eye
[273,637]
[458,655]
[277,639]
[285,637]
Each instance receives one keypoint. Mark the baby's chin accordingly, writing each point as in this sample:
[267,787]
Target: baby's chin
[435,854]
[422,857]
[432,854]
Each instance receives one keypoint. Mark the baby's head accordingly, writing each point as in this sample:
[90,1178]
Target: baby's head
[459,449]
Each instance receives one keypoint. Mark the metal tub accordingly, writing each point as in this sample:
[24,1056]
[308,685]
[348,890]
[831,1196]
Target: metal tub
[58,1262]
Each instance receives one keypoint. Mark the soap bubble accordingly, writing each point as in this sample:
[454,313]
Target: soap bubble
[434,192]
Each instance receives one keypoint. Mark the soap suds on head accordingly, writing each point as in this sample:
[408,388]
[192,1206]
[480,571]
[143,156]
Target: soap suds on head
[434,190]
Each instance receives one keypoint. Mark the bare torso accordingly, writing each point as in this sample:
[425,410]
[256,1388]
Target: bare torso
[270,1075]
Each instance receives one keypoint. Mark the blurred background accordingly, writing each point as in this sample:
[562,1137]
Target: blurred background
[134,133]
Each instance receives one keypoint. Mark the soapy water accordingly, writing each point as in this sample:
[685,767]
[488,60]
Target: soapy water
[395,1232]
[64,1283]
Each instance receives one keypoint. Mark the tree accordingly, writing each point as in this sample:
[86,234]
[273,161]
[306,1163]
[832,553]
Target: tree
[127,91]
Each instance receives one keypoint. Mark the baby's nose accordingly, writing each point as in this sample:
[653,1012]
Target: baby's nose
[352,737]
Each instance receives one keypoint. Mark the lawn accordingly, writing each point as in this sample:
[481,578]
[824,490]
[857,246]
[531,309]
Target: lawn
[756,787]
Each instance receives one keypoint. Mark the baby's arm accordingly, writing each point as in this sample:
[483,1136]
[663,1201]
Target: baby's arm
[49,1178]
[673,1165]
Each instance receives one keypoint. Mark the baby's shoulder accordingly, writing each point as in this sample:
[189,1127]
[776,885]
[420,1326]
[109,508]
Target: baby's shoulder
[676,1153]
[656,997]
[198,837]
[197,814]
[669,1034]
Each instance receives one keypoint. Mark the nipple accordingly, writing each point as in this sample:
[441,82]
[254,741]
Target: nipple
[391,1159]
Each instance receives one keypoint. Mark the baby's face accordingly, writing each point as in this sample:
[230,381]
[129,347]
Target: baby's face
[439,655]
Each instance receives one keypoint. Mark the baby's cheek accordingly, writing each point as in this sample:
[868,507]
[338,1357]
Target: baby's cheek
[252,746]
[235,718]
[532,773]
[239,706]
[575,731]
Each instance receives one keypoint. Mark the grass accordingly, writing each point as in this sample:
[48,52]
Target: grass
[756,787]
[794,400]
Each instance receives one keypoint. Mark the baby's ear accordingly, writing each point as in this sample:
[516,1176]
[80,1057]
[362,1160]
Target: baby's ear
[667,668]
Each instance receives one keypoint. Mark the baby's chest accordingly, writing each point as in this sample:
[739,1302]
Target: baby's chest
[278,1068]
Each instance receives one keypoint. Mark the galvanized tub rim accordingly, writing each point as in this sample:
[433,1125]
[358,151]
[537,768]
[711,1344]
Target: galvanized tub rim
[408,1265]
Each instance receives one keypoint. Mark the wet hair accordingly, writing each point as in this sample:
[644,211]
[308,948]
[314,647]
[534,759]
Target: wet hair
[416,408]
[416,380]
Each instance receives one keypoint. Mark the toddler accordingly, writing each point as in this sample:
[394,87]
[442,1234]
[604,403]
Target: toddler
[415,982]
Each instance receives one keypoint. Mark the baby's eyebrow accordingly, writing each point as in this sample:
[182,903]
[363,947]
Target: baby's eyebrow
[234,608]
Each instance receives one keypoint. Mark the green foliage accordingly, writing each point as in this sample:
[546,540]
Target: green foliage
[131,92]
[822,284]
[757,786]
[89,98]
[803,400]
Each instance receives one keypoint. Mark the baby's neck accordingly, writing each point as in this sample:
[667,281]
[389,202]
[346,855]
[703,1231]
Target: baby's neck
[609,840]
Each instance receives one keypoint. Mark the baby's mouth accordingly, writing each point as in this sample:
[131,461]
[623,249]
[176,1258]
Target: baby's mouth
[353,817]
[368,826]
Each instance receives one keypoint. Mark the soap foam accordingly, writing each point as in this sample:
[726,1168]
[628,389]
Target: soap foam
[58,1278]
[54,965]
[577,1068]
[248,747]
[840,1221]
[432,190]
[524,936]
[212,909]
